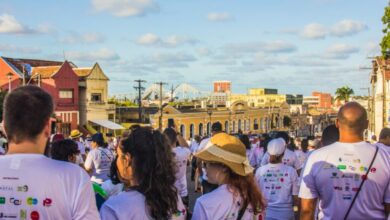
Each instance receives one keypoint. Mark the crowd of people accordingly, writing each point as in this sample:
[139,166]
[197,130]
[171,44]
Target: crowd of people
[142,173]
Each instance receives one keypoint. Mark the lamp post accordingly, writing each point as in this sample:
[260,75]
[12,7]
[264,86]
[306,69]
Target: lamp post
[209,112]
[9,76]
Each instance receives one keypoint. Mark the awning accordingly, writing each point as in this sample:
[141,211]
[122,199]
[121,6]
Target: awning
[107,124]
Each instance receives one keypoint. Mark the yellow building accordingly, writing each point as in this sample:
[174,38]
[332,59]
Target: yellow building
[95,112]
[259,97]
[239,116]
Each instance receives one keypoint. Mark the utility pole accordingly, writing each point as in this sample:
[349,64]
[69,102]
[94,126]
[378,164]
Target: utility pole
[161,110]
[140,89]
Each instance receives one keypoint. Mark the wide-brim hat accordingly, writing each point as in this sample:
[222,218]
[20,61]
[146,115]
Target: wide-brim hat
[75,134]
[228,150]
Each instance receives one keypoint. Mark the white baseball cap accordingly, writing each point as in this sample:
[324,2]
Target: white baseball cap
[276,146]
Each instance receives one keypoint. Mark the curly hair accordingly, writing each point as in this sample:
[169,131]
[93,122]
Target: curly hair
[153,167]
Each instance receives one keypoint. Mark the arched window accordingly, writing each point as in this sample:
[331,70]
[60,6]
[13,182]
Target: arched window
[192,132]
[183,130]
[227,127]
[234,127]
[208,128]
[239,125]
[255,125]
[201,129]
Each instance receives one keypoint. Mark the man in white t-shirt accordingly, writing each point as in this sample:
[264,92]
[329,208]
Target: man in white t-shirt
[182,155]
[333,174]
[33,186]
[384,139]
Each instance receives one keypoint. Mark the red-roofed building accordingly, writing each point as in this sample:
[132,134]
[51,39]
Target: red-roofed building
[57,78]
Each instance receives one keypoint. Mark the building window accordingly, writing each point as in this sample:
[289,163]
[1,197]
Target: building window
[66,94]
[96,97]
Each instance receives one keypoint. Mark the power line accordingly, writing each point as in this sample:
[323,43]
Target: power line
[140,89]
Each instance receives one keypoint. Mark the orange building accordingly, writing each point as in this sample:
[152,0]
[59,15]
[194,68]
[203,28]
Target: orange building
[222,86]
[325,99]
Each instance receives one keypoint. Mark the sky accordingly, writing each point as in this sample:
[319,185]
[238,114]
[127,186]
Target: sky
[294,46]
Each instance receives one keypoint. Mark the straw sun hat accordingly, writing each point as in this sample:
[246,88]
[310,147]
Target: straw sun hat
[228,150]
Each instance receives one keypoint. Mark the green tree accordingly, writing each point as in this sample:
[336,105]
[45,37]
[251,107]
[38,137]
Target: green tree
[385,43]
[344,93]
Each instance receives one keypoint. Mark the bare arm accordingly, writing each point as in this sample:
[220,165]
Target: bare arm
[387,209]
[307,209]
[182,141]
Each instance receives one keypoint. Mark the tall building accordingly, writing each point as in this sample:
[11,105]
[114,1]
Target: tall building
[380,100]
[259,97]
[222,86]
[325,99]
[294,99]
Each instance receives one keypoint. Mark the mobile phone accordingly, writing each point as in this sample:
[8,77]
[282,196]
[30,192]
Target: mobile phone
[171,123]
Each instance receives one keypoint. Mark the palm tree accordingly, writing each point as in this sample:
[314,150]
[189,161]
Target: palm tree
[344,93]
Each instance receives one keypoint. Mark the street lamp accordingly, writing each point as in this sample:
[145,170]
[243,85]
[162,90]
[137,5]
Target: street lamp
[209,112]
[9,76]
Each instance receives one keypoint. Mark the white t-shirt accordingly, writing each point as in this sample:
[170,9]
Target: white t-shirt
[194,146]
[202,144]
[132,205]
[220,204]
[2,151]
[37,187]
[81,147]
[111,189]
[99,160]
[302,157]
[289,158]
[384,146]
[181,157]
[256,156]
[333,174]
[279,183]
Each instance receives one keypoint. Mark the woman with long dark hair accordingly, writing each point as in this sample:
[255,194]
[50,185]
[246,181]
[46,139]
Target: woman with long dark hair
[145,165]
[237,195]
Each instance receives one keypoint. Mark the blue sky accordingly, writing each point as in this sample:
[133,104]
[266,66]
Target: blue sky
[295,46]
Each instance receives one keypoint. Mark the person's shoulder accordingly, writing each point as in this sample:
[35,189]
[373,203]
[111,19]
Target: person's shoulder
[221,194]
[133,198]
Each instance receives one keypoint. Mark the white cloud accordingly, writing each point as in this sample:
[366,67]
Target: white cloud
[148,39]
[170,41]
[340,51]
[9,48]
[99,55]
[219,16]
[314,31]
[166,60]
[254,47]
[9,25]
[347,28]
[126,8]
[76,38]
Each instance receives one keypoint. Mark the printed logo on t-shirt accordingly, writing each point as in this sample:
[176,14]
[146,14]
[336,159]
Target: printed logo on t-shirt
[180,213]
[32,201]
[47,202]
[2,200]
[5,215]
[6,188]
[15,201]
[23,214]
[34,215]
[22,188]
